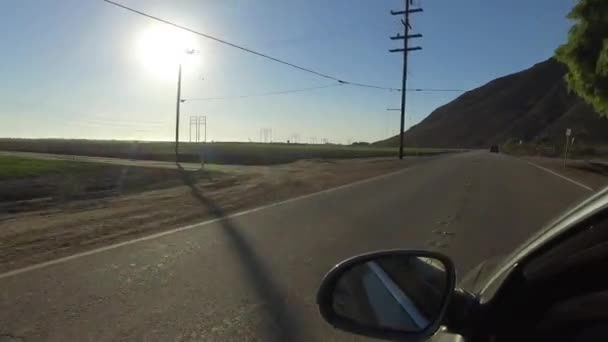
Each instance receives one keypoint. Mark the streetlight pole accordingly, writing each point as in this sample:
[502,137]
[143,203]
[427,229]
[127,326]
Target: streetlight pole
[179,91]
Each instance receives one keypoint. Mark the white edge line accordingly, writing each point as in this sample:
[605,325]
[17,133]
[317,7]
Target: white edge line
[195,225]
[561,176]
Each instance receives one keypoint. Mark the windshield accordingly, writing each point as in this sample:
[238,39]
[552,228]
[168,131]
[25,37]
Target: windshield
[189,170]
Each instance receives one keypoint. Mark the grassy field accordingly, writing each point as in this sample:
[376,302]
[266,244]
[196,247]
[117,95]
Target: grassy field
[23,179]
[214,153]
[17,168]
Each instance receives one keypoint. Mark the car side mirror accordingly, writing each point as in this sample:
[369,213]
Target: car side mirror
[397,294]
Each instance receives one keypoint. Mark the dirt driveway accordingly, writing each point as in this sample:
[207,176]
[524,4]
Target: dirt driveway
[28,237]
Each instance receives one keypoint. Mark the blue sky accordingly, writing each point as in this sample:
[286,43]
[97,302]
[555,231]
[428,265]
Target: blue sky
[77,69]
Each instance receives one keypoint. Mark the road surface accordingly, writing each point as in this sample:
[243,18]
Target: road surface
[253,276]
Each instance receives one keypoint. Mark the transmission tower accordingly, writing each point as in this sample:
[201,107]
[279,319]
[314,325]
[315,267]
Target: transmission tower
[197,121]
[266,135]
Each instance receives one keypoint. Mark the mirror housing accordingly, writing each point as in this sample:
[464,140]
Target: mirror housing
[392,294]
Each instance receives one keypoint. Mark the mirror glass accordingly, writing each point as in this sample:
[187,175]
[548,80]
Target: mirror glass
[401,292]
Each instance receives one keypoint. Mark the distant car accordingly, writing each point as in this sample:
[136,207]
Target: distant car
[494,149]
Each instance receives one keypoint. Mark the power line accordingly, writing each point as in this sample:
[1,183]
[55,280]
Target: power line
[109,121]
[58,121]
[436,90]
[127,123]
[104,122]
[264,94]
[246,49]
[309,89]
[372,86]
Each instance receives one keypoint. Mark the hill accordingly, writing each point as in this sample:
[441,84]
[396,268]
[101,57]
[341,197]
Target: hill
[533,105]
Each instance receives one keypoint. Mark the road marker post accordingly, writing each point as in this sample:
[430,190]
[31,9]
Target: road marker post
[568,134]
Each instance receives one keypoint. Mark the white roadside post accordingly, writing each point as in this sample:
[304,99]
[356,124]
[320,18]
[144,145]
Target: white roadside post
[568,134]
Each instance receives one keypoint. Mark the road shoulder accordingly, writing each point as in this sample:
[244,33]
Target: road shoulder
[575,171]
[35,236]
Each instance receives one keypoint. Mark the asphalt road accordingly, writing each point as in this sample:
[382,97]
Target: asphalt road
[254,276]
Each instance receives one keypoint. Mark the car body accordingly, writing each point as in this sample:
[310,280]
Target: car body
[551,288]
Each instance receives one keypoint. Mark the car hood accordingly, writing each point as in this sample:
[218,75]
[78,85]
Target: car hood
[475,280]
[487,278]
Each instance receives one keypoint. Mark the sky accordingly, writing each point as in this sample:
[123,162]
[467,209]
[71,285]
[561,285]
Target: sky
[87,69]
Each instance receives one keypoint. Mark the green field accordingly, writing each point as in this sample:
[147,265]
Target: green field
[17,167]
[214,153]
[25,179]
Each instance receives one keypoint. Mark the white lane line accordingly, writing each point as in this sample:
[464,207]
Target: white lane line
[561,176]
[195,225]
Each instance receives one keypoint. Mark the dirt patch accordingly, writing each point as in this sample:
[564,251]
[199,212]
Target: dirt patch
[30,236]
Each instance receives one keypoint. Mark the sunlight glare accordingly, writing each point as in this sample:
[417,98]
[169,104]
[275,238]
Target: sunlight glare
[160,49]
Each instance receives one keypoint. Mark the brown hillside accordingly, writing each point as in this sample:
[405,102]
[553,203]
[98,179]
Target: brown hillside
[532,105]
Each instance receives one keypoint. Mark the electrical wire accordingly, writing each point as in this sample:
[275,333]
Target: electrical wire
[437,90]
[308,89]
[103,122]
[247,49]
[372,86]
[126,123]
[264,94]
[88,124]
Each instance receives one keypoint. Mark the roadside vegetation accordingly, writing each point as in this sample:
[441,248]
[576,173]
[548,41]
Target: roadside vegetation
[31,183]
[586,53]
[213,153]
[19,168]
[576,151]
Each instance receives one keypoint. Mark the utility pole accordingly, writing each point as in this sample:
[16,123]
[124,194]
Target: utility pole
[193,121]
[179,100]
[197,121]
[405,50]
[295,138]
[179,95]
[266,135]
[198,129]
[202,120]
[388,124]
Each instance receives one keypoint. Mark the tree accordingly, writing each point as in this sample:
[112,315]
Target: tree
[586,53]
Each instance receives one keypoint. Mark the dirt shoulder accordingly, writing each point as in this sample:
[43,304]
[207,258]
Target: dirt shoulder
[583,171]
[40,234]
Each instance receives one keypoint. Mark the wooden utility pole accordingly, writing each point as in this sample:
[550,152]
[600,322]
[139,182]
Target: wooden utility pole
[405,37]
[179,101]
[179,95]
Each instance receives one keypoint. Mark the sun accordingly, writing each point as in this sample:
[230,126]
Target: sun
[160,49]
